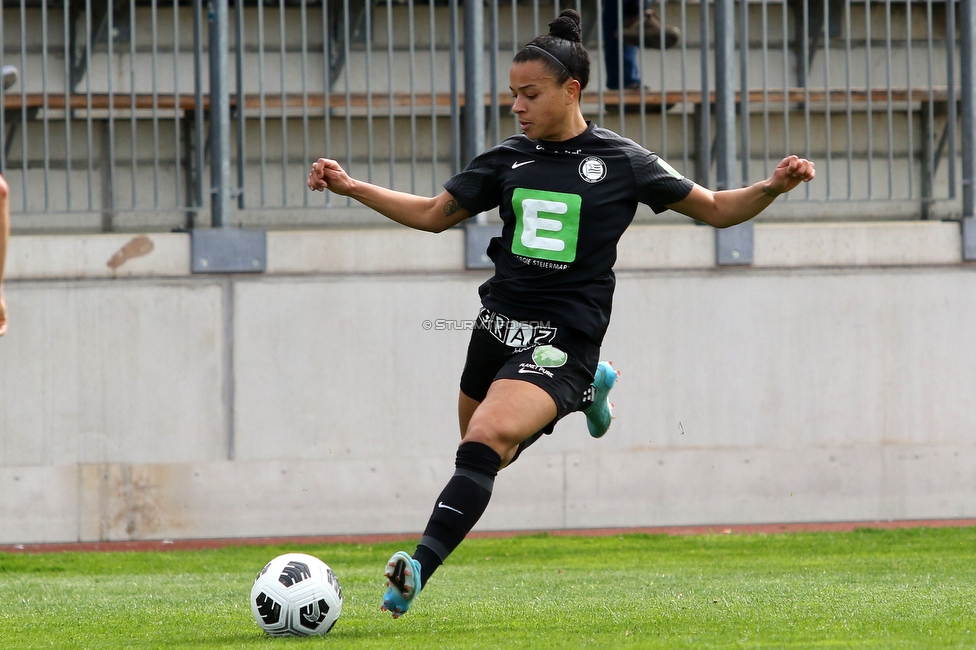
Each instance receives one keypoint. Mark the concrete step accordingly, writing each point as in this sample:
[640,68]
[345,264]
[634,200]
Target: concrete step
[163,59]
[857,189]
[381,71]
[390,24]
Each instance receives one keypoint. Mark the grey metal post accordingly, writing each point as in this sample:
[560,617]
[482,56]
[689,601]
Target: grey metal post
[703,146]
[198,122]
[219,114]
[724,94]
[951,94]
[474,79]
[239,69]
[455,103]
[733,246]
[967,30]
[221,249]
[744,86]
[479,233]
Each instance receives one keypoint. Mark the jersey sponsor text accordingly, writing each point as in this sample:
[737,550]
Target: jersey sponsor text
[547,224]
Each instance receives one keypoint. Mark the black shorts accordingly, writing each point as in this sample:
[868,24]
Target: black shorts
[559,360]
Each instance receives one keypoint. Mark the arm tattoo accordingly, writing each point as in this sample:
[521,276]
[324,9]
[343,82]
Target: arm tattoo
[451,207]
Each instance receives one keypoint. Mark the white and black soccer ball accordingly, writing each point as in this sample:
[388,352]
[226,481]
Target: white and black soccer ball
[296,595]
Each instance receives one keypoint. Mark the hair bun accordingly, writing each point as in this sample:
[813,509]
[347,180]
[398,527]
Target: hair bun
[566,26]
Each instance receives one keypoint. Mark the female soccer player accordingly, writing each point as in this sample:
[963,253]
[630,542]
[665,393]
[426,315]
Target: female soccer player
[567,189]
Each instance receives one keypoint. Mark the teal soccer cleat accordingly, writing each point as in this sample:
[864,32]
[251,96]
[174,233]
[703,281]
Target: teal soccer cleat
[403,583]
[600,412]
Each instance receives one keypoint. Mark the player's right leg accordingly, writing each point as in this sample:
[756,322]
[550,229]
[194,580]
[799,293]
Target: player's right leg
[511,412]
[403,575]
[510,396]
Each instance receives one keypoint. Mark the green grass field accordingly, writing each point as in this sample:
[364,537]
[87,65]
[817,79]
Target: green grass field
[911,588]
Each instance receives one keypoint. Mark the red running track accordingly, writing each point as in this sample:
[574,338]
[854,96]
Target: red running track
[732,529]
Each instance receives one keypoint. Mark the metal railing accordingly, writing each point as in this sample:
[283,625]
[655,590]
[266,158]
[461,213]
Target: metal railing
[109,126]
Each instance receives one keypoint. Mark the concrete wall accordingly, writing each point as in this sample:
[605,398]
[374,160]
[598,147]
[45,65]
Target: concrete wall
[831,381]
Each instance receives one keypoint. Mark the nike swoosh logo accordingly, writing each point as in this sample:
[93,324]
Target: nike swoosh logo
[516,165]
[522,371]
[440,504]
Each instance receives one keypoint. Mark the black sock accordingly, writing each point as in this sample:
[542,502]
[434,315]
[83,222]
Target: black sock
[459,506]
[429,561]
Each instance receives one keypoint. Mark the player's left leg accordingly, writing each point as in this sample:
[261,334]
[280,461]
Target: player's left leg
[599,412]
[467,405]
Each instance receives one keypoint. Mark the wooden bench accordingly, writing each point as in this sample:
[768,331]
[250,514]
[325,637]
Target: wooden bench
[20,108]
[276,104]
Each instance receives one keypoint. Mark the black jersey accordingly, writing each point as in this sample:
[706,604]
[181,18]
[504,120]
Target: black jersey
[564,206]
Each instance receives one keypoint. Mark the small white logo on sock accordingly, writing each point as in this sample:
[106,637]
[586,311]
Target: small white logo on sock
[440,504]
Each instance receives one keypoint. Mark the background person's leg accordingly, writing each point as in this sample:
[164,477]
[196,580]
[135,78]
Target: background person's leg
[611,46]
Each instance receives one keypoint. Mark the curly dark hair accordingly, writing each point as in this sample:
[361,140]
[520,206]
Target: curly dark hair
[561,50]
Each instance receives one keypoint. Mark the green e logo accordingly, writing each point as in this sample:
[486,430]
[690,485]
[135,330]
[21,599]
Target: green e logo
[546,224]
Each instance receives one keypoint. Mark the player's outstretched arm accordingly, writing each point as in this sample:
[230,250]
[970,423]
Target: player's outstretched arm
[730,207]
[433,214]
[4,236]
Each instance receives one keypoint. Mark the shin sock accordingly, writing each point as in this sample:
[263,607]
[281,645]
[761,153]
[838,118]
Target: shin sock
[459,505]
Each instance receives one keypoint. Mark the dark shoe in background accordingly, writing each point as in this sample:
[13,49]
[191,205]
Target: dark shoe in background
[652,31]
[10,75]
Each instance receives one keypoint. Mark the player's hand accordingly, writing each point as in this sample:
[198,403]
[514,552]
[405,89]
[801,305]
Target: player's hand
[3,316]
[327,174]
[790,172]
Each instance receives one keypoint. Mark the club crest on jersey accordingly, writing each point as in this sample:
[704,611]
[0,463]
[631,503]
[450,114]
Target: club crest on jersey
[593,169]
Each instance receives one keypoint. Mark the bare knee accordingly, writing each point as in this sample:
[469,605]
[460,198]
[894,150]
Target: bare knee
[511,412]
[484,432]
